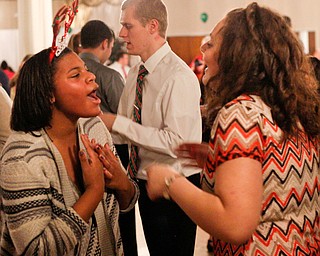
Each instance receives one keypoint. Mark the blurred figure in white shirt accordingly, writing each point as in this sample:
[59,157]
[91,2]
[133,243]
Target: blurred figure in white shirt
[121,64]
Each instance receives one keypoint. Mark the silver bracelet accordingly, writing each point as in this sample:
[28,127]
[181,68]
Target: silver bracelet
[168,181]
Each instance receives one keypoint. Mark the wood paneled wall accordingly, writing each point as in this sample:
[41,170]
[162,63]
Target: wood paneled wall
[312,42]
[186,47]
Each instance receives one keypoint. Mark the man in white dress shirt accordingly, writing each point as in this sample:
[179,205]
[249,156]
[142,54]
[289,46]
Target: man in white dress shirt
[170,115]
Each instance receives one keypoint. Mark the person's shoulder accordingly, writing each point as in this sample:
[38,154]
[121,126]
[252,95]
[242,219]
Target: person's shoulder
[175,69]
[175,63]
[87,123]
[115,78]
[91,63]
[246,107]
[248,111]
[105,70]
[112,71]
[95,128]
[245,100]
[4,97]
[23,146]
[104,75]
[3,77]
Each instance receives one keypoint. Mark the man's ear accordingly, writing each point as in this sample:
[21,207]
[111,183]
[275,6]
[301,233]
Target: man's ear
[153,26]
[104,44]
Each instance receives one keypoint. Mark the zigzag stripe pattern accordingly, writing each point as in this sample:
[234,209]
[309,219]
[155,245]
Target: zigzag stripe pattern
[290,214]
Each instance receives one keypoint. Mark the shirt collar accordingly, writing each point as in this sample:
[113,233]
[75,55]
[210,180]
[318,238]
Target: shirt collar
[153,61]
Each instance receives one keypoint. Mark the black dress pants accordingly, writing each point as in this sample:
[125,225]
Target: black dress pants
[127,220]
[167,229]
[127,223]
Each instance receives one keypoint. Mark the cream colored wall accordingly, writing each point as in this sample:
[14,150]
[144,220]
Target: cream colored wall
[184,18]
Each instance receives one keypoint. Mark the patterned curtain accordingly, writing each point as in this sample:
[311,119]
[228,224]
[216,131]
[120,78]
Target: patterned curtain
[106,10]
[91,2]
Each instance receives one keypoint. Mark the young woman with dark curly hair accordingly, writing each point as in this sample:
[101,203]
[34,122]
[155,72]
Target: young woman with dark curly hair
[261,169]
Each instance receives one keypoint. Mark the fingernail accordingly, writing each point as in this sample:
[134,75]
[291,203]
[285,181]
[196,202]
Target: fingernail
[81,152]
[102,157]
[98,147]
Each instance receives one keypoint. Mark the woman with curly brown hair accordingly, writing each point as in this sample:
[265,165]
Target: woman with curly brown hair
[261,169]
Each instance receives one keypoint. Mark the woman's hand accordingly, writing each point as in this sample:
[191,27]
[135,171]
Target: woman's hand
[195,152]
[93,180]
[92,168]
[157,173]
[115,177]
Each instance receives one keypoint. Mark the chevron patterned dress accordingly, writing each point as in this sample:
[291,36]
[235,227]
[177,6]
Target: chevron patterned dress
[289,222]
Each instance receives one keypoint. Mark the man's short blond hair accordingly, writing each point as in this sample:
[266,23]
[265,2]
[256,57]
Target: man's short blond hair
[146,10]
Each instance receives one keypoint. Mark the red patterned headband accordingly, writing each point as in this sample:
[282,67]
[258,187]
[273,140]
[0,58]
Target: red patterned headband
[66,14]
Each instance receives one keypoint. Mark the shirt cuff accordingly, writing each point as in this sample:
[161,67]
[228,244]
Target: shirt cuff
[121,124]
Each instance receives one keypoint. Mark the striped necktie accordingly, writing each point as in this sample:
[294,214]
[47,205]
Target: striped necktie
[134,158]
